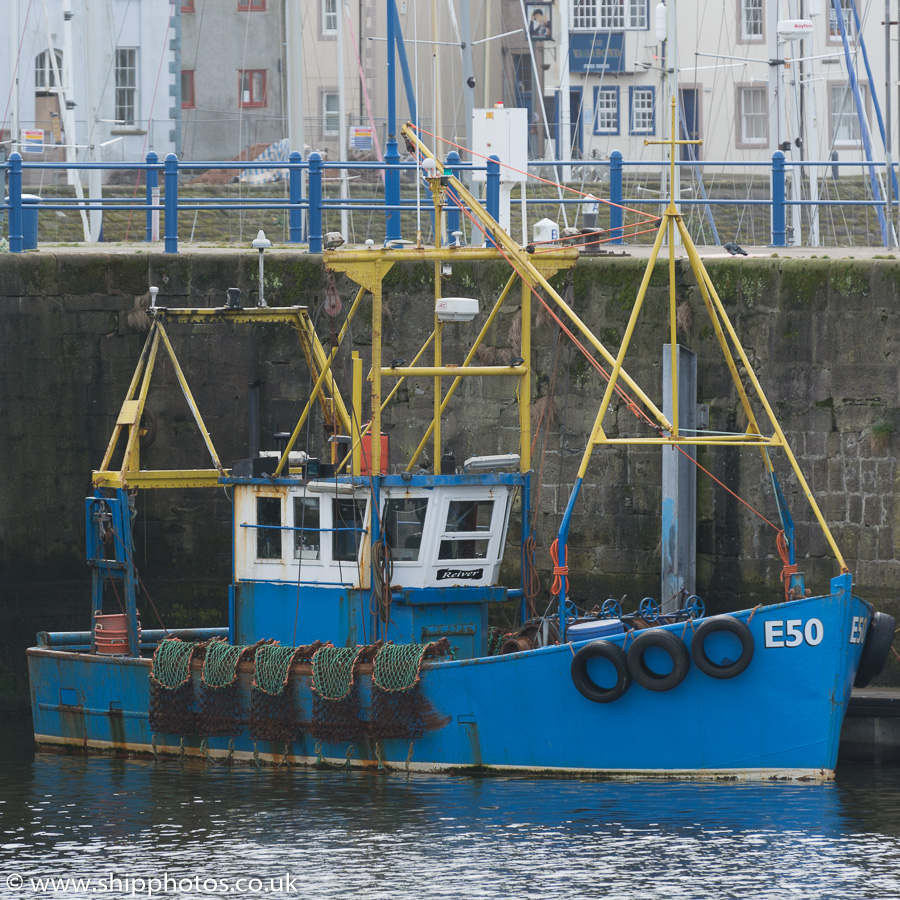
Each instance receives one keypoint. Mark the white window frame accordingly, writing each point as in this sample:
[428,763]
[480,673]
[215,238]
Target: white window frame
[845,109]
[329,13]
[126,75]
[636,95]
[834,32]
[44,79]
[611,93]
[743,138]
[328,115]
[751,12]
[610,15]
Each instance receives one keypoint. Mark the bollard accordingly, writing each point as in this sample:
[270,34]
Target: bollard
[391,191]
[170,176]
[295,195]
[616,217]
[492,194]
[152,231]
[778,206]
[452,164]
[315,203]
[15,203]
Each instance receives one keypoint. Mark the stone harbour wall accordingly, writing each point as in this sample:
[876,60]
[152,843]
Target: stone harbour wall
[823,336]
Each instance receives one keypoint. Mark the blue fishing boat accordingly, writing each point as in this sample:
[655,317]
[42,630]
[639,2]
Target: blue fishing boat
[358,631]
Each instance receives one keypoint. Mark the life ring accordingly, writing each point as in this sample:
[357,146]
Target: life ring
[733,626]
[614,654]
[876,648]
[661,640]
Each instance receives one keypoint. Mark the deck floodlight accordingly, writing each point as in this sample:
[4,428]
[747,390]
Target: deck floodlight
[456,309]
[490,463]
[262,243]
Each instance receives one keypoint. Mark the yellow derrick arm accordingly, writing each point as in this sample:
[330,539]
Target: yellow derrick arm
[130,474]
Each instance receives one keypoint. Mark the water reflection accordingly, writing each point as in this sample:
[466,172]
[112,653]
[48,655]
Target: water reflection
[364,835]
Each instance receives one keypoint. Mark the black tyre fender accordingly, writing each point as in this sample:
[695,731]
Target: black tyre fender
[733,626]
[585,684]
[668,643]
[876,648]
[147,428]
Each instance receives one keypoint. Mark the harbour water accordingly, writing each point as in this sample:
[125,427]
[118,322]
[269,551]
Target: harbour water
[145,828]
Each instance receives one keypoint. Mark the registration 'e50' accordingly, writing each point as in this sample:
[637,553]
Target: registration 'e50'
[793,633]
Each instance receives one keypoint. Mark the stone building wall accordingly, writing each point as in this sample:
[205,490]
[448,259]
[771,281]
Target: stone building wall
[822,335]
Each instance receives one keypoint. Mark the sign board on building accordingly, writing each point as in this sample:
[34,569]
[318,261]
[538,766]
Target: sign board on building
[32,140]
[597,52]
[361,137]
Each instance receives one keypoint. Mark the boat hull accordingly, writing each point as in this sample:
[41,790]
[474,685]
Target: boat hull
[780,718]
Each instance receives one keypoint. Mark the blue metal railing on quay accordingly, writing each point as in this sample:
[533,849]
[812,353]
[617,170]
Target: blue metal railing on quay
[165,198]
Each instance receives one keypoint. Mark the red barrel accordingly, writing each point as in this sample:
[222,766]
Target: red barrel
[111,634]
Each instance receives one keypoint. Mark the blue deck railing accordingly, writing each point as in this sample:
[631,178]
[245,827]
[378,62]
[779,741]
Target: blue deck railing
[306,209]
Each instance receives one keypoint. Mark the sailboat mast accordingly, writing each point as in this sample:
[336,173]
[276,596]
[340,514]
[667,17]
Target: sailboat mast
[14,75]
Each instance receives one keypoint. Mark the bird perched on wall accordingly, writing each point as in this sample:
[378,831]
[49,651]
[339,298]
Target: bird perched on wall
[735,249]
[333,240]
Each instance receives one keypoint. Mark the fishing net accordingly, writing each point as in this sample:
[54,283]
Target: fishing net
[171,690]
[398,706]
[273,708]
[220,702]
[335,711]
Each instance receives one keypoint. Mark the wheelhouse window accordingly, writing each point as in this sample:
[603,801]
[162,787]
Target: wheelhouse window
[610,15]
[251,87]
[347,520]
[751,20]
[467,530]
[404,521]
[268,528]
[307,536]
[126,85]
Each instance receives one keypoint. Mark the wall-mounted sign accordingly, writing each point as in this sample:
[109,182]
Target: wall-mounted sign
[361,137]
[32,140]
[601,51]
[540,21]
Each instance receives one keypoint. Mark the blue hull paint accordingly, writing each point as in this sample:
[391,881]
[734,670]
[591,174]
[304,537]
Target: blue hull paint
[781,717]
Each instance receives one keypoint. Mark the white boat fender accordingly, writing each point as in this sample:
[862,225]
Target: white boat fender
[586,685]
[726,669]
[876,648]
[672,645]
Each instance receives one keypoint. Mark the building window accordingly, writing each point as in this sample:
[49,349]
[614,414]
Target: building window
[329,17]
[751,20]
[642,119]
[606,110]
[252,87]
[753,117]
[834,28]
[844,118]
[44,79]
[330,114]
[126,85]
[187,88]
[251,5]
[610,15]
[187,6]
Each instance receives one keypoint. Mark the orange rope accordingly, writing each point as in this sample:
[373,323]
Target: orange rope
[558,571]
[527,174]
